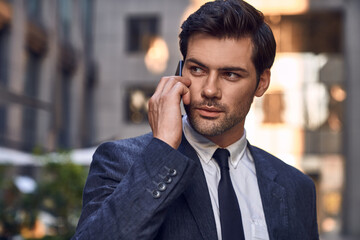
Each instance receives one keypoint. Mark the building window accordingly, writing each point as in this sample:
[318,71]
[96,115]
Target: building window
[67,66]
[4,66]
[64,131]
[137,103]
[87,127]
[141,30]
[316,32]
[36,48]
[31,89]
[4,49]
[34,10]
[65,17]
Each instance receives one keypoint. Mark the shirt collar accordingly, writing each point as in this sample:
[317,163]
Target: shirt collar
[205,148]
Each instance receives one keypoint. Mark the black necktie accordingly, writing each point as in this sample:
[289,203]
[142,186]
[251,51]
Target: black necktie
[230,215]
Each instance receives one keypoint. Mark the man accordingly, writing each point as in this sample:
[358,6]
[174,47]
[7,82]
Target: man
[168,184]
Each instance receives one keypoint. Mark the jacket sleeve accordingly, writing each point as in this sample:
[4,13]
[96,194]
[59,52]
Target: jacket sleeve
[129,189]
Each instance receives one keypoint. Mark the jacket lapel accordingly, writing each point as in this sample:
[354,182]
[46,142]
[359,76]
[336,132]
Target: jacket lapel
[197,196]
[273,195]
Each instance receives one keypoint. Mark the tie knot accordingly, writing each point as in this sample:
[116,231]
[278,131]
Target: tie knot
[221,156]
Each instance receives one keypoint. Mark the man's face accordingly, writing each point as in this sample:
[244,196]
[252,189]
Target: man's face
[223,85]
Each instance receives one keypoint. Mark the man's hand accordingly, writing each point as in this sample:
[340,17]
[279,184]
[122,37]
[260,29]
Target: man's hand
[164,109]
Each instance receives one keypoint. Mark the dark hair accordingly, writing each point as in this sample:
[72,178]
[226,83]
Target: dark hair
[232,19]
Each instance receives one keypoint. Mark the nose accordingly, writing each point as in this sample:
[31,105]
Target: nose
[211,88]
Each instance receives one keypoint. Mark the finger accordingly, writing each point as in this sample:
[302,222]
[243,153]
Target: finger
[181,90]
[171,82]
[161,85]
[184,80]
[174,80]
[164,80]
[186,97]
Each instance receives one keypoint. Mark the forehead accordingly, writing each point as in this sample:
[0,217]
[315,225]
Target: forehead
[220,52]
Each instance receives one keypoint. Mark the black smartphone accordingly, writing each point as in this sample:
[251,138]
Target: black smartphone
[179,68]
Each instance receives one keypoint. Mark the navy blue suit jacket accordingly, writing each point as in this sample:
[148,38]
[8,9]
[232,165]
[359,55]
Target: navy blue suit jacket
[141,188]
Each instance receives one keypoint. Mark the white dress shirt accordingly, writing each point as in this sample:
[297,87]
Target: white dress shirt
[243,177]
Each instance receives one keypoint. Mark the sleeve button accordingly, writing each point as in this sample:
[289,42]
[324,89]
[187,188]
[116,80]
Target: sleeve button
[172,172]
[161,186]
[167,179]
[156,194]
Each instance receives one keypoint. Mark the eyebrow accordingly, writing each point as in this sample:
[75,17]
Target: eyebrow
[227,69]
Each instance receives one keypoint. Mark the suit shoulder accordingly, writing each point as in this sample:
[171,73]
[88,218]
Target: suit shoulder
[285,171]
[130,144]
[127,150]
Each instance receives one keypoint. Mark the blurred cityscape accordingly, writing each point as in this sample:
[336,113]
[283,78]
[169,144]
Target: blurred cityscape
[75,73]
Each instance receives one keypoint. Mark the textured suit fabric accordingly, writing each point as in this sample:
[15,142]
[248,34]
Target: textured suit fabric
[119,200]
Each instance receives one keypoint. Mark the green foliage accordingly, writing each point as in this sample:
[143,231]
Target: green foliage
[10,203]
[59,193]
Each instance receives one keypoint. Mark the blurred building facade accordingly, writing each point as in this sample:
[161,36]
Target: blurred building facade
[46,74]
[77,73]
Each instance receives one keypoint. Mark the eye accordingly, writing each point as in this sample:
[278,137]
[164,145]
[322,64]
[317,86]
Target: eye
[197,71]
[231,76]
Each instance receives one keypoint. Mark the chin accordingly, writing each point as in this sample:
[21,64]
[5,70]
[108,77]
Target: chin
[207,127]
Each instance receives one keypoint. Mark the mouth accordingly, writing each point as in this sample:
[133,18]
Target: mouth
[209,112]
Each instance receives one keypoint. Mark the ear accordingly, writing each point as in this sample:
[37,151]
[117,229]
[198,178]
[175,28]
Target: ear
[264,83]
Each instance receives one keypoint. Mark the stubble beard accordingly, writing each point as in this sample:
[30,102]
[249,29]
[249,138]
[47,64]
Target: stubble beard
[210,127]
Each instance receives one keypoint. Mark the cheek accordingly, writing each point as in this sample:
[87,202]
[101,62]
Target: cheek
[195,88]
[234,96]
